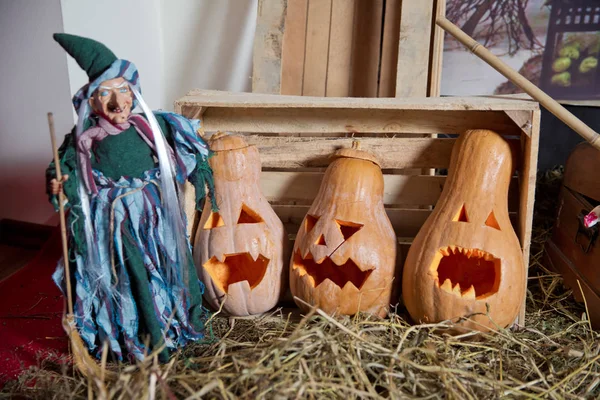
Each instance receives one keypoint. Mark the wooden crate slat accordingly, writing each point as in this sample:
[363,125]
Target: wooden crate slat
[528,174]
[399,190]
[302,187]
[317,47]
[406,222]
[414,48]
[393,153]
[285,120]
[292,51]
[216,98]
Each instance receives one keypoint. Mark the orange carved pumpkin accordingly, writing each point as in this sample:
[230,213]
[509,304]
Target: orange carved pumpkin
[345,251]
[240,251]
[467,254]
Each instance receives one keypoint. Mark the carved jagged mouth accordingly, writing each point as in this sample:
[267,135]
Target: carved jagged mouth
[237,268]
[466,273]
[324,269]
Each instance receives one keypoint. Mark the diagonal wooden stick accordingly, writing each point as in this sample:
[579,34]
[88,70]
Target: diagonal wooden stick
[61,208]
[548,102]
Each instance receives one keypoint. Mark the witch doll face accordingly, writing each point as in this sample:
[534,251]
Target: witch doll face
[113,100]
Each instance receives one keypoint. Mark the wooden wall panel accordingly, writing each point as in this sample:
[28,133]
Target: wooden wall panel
[340,48]
[413,50]
[317,47]
[367,43]
[292,52]
[389,49]
[267,56]
[437,52]
[348,48]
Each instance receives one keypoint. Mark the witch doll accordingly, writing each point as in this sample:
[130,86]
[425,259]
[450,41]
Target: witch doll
[135,285]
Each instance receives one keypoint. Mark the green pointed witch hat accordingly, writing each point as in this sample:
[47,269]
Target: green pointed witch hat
[92,56]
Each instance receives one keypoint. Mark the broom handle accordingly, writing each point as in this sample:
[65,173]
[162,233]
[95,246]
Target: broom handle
[63,225]
[548,102]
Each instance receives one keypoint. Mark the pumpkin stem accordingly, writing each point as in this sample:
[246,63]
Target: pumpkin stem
[218,135]
[356,144]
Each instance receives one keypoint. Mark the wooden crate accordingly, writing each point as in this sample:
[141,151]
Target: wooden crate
[348,48]
[296,135]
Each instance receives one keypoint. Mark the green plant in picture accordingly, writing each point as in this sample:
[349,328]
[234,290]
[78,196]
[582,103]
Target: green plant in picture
[572,52]
[562,79]
[588,64]
[561,64]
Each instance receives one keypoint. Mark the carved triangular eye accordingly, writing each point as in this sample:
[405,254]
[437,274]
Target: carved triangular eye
[214,220]
[461,215]
[492,222]
[309,222]
[321,241]
[248,216]
[348,228]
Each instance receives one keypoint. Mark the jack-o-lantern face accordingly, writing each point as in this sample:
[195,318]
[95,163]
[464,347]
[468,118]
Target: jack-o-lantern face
[241,249]
[324,267]
[467,254]
[467,272]
[345,250]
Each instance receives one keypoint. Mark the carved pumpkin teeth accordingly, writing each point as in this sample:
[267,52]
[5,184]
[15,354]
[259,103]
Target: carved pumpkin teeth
[235,268]
[469,294]
[326,268]
[458,267]
[456,289]
[447,286]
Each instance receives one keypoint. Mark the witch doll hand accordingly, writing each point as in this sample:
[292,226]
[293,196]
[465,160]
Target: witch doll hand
[54,186]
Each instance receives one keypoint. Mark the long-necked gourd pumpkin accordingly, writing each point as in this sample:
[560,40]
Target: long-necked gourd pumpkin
[345,250]
[466,258]
[241,251]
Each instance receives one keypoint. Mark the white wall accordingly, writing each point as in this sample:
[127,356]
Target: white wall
[34,81]
[208,45]
[177,45]
[130,28]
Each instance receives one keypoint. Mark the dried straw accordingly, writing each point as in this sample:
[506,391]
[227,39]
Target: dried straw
[285,355]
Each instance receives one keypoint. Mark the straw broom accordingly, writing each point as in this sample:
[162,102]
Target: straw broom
[81,357]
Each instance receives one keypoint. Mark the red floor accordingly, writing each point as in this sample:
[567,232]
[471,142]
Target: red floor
[31,308]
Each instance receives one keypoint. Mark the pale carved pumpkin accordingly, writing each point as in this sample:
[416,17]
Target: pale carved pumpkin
[467,254]
[345,251]
[241,250]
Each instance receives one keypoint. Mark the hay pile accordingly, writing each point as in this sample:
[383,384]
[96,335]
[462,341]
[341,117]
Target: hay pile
[285,355]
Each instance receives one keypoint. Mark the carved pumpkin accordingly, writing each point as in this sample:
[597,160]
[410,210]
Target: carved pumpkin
[345,251]
[240,251]
[467,254]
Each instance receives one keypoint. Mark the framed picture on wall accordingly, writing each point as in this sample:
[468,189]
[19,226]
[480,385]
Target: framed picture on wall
[553,43]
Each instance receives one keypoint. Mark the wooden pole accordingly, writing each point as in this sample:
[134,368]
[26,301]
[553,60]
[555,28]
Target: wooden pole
[548,102]
[61,208]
